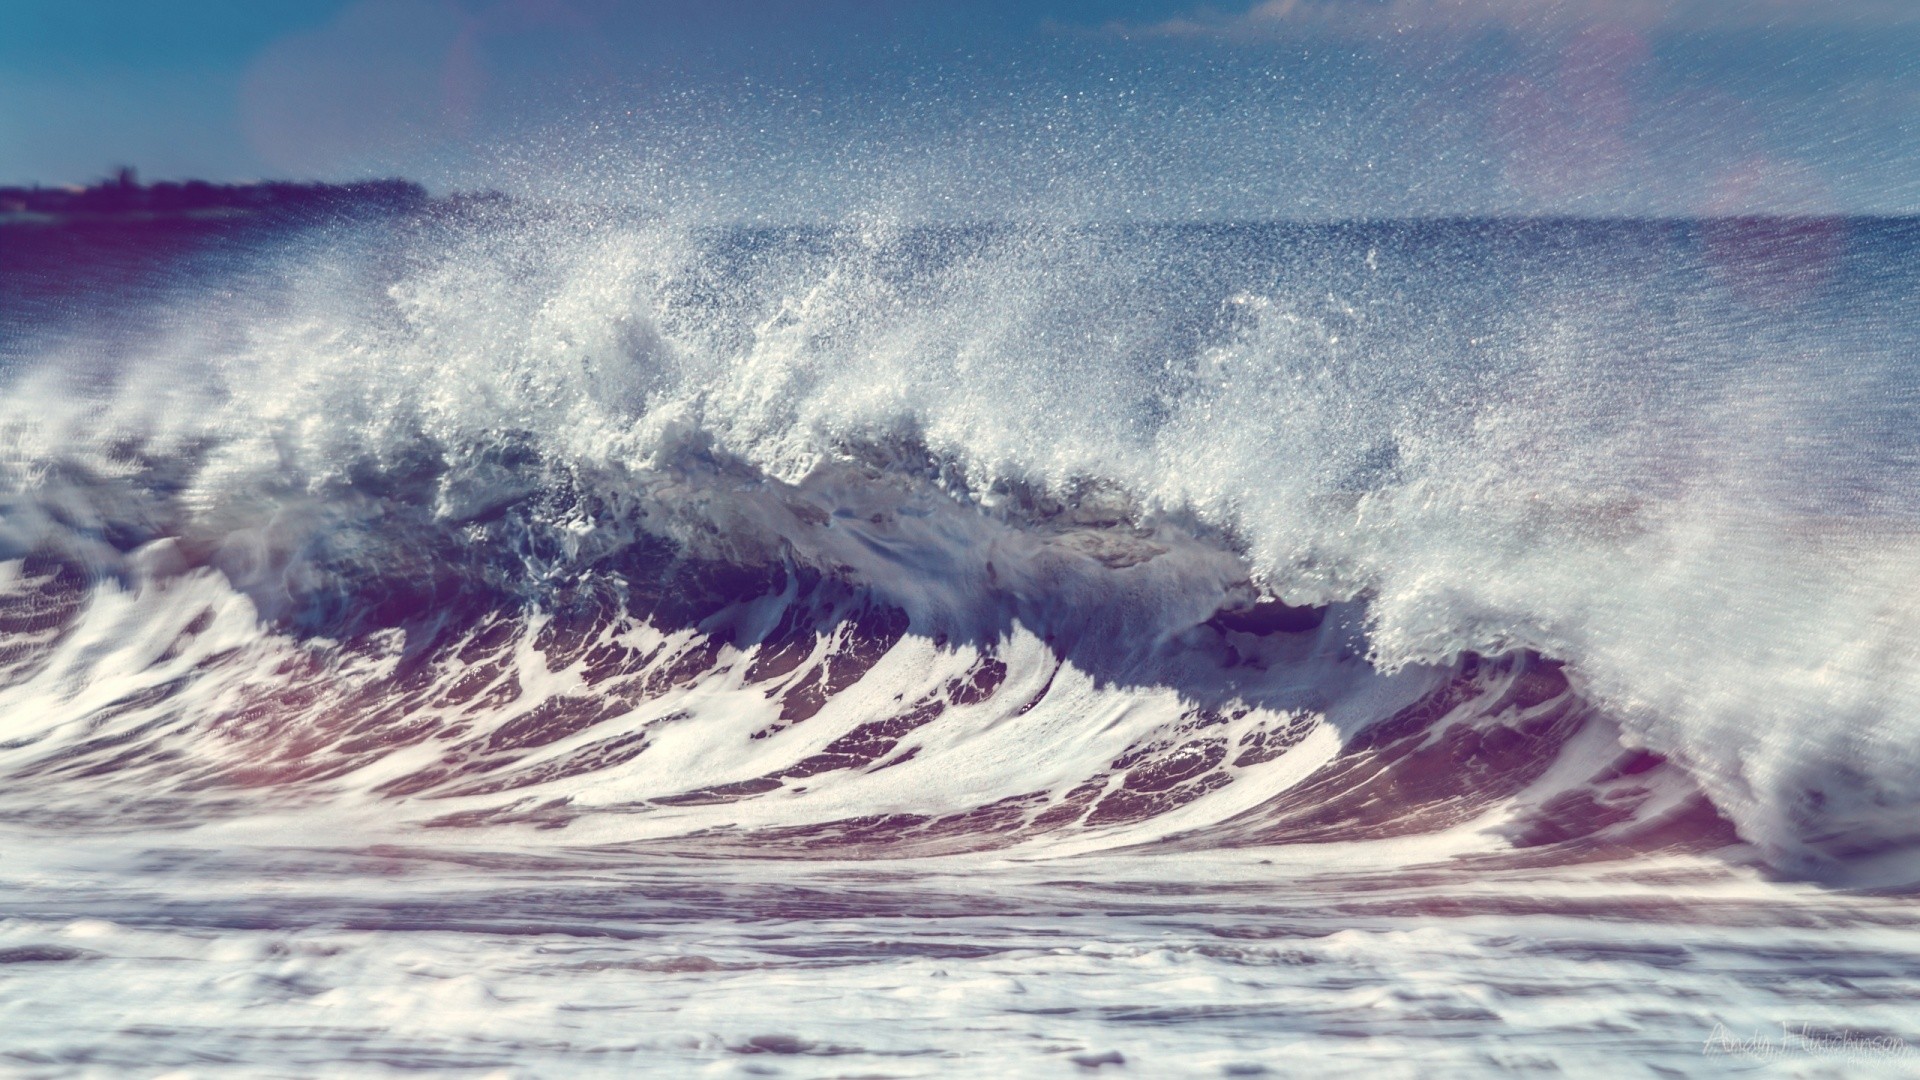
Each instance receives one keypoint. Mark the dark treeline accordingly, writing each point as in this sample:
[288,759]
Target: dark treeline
[125,197]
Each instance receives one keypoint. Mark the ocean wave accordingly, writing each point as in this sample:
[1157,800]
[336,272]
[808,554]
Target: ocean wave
[893,541]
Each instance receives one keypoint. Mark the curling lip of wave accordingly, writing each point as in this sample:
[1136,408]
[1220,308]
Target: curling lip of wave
[899,674]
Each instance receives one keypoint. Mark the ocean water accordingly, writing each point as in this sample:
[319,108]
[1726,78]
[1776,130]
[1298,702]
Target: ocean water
[532,641]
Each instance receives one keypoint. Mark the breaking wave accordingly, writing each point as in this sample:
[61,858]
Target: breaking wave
[878,540]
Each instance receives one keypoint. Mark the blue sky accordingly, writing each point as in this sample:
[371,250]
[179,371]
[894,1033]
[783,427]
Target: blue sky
[993,108]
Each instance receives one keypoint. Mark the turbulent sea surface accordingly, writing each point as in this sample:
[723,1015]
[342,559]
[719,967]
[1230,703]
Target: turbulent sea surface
[521,641]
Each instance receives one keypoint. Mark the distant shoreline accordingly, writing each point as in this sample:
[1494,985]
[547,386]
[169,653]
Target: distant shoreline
[123,200]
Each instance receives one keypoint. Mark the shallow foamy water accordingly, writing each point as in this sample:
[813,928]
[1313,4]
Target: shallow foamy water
[130,960]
